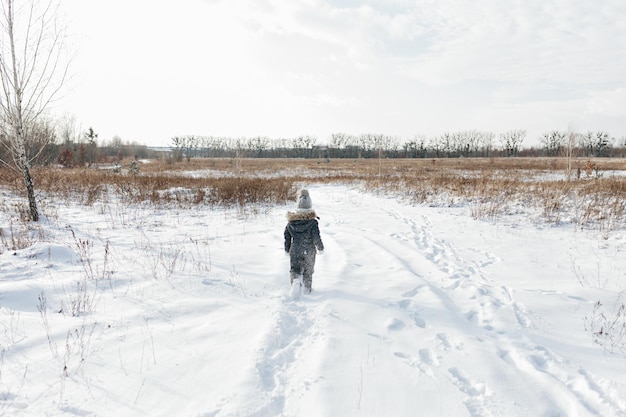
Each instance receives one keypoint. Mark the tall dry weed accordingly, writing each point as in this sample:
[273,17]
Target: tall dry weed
[488,185]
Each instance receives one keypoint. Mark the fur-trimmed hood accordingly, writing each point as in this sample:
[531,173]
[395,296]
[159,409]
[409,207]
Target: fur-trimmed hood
[300,214]
[302,234]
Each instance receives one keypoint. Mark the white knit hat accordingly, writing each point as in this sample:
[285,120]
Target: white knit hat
[304,200]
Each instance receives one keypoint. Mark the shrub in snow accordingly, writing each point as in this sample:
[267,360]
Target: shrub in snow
[133,169]
[608,328]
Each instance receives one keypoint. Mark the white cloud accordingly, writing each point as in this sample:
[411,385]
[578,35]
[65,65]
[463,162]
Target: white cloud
[608,103]
[285,67]
[521,42]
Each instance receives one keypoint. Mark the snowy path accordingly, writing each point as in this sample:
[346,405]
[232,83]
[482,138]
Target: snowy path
[415,311]
[403,321]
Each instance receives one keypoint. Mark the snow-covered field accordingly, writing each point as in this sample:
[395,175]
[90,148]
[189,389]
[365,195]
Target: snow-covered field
[113,310]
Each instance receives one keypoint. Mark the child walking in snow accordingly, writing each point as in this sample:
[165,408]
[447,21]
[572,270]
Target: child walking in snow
[302,240]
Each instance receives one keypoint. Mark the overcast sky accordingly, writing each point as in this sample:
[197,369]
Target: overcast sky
[148,70]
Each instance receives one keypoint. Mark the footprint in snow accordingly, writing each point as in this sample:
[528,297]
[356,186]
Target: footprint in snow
[467,384]
[423,362]
[419,322]
[412,293]
[446,344]
[428,357]
[395,324]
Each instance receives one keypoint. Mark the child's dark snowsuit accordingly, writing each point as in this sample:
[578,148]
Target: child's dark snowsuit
[302,241]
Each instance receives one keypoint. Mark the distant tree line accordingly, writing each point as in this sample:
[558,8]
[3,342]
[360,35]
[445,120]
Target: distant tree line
[461,144]
[596,144]
[62,143]
[53,143]
[90,151]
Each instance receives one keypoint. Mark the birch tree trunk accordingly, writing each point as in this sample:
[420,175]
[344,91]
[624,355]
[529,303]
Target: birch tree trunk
[23,165]
[31,73]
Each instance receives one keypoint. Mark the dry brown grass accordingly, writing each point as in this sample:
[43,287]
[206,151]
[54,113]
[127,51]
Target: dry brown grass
[490,186]
[90,185]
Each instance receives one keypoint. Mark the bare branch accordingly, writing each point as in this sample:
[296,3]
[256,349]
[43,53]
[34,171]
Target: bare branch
[32,73]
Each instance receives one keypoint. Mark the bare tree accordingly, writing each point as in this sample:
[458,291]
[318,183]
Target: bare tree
[303,145]
[343,145]
[437,145]
[446,142]
[553,142]
[32,72]
[460,144]
[42,138]
[415,148]
[596,143]
[511,141]
[486,142]
[570,148]
[259,144]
